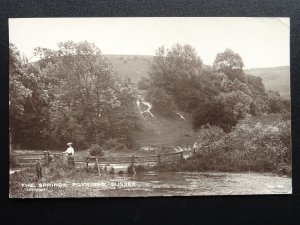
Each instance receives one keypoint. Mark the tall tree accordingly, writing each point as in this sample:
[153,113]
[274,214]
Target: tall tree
[176,71]
[18,93]
[86,94]
[229,63]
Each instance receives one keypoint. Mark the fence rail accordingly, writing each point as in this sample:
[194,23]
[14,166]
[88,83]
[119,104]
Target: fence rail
[47,157]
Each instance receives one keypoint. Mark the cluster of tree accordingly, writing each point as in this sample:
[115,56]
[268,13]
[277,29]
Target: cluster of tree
[219,95]
[69,94]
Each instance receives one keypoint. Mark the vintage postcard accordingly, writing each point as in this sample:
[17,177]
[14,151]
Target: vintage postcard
[126,107]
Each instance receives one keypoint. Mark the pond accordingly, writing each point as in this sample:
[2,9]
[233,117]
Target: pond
[78,183]
[195,183]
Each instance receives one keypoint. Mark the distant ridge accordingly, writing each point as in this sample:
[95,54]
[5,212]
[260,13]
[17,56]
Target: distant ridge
[274,78]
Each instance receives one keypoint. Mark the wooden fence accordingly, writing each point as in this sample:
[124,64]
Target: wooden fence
[30,159]
[47,157]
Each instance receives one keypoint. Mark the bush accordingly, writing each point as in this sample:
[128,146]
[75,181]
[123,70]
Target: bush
[210,140]
[251,146]
[95,150]
[275,102]
[214,113]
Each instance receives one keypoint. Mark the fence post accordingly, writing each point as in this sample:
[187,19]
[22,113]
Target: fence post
[194,153]
[132,165]
[87,159]
[132,161]
[158,157]
[181,156]
[99,172]
[46,157]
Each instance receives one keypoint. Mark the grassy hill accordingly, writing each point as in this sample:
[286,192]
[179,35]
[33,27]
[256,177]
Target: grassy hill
[159,130]
[274,78]
[133,66]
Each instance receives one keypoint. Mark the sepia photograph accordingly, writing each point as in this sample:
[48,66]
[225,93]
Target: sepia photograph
[149,106]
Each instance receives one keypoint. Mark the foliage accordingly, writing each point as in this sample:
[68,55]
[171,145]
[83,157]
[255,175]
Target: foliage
[28,102]
[214,113]
[275,102]
[222,95]
[69,94]
[210,139]
[255,82]
[236,103]
[95,150]
[73,94]
[250,146]
[175,72]
[270,142]
[229,63]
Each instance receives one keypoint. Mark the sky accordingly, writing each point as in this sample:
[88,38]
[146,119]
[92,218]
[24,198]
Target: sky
[260,41]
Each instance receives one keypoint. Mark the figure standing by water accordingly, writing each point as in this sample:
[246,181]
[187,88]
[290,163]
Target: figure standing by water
[38,167]
[70,153]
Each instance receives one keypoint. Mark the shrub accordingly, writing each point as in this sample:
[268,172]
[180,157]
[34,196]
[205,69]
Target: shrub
[214,113]
[275,102]
[210,140]
[95,150]
[269,144]
[252,145]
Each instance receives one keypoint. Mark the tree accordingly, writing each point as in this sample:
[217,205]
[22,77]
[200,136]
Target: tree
[275,102]
[18,93]
[256,83]
[176,72]
[229,63]
[86,96]
[214,113]
[236,103]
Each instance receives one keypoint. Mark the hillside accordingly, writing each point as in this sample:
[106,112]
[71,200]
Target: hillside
[137,66]
[274,78]
[132,66]
[158,130]
[176,131]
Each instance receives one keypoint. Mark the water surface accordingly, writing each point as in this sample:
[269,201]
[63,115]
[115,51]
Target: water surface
[194,183]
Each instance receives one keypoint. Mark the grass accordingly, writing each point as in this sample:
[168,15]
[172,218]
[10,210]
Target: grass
[131,66]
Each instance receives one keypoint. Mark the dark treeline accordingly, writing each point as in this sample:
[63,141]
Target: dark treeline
[70,94]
